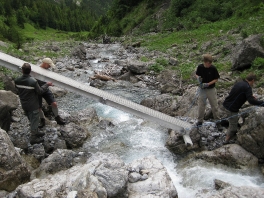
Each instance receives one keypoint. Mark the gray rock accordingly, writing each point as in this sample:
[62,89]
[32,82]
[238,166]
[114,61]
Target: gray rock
[63,183]
[13,169]
[137,67]
[164,103]
[231,155]
[73,134]
[245,53]
[8,102]
[134,177]
[58,92]
[61,159]
[112,174]
[158,184]
[250,136]
[233,191]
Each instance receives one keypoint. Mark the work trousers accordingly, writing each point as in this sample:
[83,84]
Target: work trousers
[211,95]
[233,120]
[33,117]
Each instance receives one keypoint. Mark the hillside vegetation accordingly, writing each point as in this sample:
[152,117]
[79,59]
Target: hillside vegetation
[177,28]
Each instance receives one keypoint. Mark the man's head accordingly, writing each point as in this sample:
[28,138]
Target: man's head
[207,59]
[251,78]
[26,68]
[47,63]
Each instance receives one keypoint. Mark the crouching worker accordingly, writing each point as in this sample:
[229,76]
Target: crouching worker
[239,94]
[49,97]
[28,91]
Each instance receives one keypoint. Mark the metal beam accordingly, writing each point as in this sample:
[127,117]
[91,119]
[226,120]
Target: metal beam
[100,96]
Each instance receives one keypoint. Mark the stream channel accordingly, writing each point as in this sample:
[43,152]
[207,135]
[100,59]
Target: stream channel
[132,137]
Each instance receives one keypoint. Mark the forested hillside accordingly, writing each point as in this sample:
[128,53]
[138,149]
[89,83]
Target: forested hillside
[118,17]
[144,16]
[65,15]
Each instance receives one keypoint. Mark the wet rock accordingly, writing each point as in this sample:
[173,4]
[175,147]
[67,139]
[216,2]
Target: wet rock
[233,191]
[231,155]
[176,144]
[219,185]
[13,169]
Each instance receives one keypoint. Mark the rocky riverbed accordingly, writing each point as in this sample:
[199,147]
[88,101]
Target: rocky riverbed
[61,168]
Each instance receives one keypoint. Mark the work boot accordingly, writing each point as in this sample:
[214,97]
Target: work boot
[35,139]
[37,133]
[59,120]
[219,126]
[42,123]
[198,124]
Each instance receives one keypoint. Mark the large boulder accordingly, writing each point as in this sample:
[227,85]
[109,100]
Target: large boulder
[85,117]
[250,135]
[155,184]
[80,52]
[13,169]
[9,84]
[61,159]
[245,53]
[8,103]
[137,67]
[187,104]
[170,82]
[231,155]
[74,182]
[74,135]
[111,172]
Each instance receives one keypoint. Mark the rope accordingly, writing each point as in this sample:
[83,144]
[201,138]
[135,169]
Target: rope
[216,121]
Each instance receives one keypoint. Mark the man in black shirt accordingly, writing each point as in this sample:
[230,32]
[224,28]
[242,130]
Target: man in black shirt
[240,93]
[207,75]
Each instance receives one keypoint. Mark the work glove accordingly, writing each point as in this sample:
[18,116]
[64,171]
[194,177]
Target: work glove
[204,85]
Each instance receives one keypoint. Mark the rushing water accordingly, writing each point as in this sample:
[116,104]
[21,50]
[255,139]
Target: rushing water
[133,138]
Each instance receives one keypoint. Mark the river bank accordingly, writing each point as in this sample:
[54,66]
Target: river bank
[127,136]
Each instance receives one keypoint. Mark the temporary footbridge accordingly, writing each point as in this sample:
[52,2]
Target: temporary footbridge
[101,96]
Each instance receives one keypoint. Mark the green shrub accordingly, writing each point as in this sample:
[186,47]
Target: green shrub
[144,59]
[156,68]
[187,70]
[258,63]
[1,85]
[262,41]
